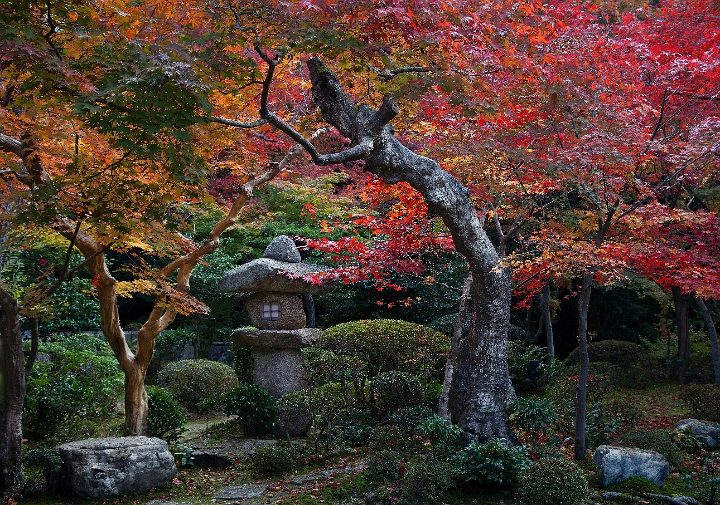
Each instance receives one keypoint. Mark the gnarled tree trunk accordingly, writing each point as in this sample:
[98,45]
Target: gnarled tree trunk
[481,388]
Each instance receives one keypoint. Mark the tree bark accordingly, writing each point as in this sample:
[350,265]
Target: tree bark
[481,390]
[682,320]
[546,321]
[581,399]
[454,349]
[12,396]
[712,333]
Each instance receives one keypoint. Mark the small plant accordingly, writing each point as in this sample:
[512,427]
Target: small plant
[442,435]
[426,482]
[552,481]
[255,407]
[165,417]
[273,460]
[385,466]
[191,380]
[531,414]
[183,455]
[703,400]
[494,462]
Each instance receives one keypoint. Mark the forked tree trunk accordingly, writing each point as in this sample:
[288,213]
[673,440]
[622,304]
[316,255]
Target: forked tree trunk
[581,399]
[481,390]
[12,395]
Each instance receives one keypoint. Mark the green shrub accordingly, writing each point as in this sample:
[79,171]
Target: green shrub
[395,390]
[80,379]
[189,381]
[532,414]
[703,400]
[494,462]
[255,407]
[552,481]
[273,460]
[442,435]
[165,417]
[426,481]
[662,441]
[384,466]
[390,344]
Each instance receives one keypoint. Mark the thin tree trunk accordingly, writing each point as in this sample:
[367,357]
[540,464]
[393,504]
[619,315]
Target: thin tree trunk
[712,333]
[682,320]
[12,396]
[545,303]
[581,399]
[35,341]
[454,349]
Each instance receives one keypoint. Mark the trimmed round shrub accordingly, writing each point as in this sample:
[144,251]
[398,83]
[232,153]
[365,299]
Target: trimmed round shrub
[255,407]
[390,344]
[165,418]
[494,462]
[191,380]
[552,481]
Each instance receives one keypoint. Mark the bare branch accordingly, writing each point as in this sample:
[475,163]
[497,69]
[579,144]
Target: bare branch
[237,124]
[9,144]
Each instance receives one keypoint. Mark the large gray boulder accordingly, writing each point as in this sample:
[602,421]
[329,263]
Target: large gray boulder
[617,464]
[105,467]
[267,274]
[707,433]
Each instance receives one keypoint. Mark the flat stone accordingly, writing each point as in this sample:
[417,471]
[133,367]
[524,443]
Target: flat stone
[266,274]
[265,340]
[283,248]
[240,492]
[105,467]
[617,464]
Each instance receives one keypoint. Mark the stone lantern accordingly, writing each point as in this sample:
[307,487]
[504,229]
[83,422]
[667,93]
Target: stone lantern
[277,288]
